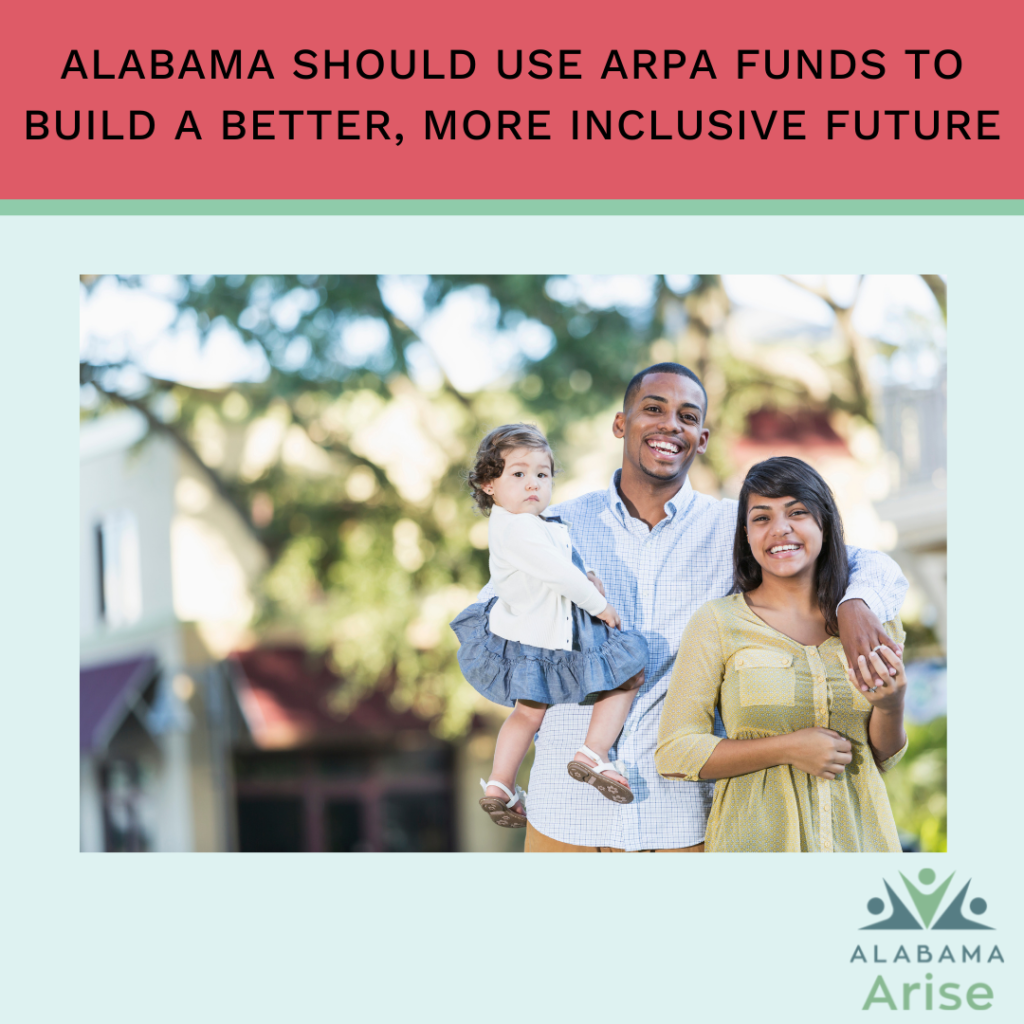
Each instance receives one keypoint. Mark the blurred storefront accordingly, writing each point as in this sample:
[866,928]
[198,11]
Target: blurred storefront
[310,779]
[195,737]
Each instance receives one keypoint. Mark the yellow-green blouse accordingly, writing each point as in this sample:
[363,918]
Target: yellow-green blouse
[766,684]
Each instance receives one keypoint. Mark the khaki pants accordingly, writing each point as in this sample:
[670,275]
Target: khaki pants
[537,842]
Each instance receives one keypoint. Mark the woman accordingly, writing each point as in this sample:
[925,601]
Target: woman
[807,739]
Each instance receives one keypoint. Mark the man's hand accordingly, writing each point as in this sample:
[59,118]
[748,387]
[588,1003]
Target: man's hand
[861,633]
[596,580]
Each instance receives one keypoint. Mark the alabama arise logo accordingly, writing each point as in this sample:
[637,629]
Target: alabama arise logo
[926,902]
[934,976]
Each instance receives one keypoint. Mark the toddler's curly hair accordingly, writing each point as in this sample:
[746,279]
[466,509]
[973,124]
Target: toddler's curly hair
[489,463]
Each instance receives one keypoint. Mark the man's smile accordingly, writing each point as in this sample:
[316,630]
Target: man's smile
[664,448]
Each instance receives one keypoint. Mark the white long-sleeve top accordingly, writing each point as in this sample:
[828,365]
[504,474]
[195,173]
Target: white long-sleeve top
[535,580]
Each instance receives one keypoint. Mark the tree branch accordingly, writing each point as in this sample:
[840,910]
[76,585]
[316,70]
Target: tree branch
[156,424]
[820,293]
[938,289]
[396,329]
[341,449]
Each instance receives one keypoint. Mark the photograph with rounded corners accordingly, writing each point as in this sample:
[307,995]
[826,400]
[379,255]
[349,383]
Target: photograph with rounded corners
[505,563]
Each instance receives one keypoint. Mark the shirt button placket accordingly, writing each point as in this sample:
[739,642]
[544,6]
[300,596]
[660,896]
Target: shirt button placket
[819,688]
[644,581]
[820,692]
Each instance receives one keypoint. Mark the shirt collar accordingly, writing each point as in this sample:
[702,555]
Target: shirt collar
[677,503]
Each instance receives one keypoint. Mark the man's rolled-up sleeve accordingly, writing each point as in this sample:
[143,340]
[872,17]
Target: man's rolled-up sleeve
[876,580]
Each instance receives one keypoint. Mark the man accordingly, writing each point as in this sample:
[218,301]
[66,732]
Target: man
[662,550]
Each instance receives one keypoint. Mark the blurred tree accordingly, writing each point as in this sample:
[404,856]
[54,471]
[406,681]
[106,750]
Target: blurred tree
[352,477]
[917,787]
[744,376]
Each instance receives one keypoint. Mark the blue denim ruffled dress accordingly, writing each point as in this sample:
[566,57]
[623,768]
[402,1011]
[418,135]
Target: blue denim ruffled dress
[505,671]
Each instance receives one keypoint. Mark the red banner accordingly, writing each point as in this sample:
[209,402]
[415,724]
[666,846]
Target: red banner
[651,100]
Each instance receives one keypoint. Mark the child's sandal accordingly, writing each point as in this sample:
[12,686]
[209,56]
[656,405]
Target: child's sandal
[501,813]
[592,775]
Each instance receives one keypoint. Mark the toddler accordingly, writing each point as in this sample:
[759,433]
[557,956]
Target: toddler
[549,637]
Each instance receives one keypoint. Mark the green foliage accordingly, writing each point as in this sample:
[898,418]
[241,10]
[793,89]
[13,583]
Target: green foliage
[917,786]
[359,497]
[352,478]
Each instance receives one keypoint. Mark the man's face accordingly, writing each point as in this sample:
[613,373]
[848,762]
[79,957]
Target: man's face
[663,428]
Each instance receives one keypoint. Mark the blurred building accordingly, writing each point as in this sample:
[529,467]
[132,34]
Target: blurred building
[308,778]
[193,736]
[166,569]
[913,424]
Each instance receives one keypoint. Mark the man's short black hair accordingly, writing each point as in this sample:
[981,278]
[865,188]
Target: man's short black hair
[677,368]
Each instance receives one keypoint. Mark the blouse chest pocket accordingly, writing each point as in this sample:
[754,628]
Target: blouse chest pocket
[766,677]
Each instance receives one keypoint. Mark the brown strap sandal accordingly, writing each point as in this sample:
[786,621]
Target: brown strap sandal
[592,775]
[501,813]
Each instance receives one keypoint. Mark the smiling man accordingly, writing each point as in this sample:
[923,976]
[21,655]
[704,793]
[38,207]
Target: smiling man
[662,550]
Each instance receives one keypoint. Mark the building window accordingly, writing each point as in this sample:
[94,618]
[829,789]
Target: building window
[124,828]
[344,826]
[270,825]
[119,569]
[346,800]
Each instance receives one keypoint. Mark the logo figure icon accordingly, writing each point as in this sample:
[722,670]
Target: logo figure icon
[927,903]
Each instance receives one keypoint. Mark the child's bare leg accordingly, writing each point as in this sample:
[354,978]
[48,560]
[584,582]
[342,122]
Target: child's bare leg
[607,720]
[514,739]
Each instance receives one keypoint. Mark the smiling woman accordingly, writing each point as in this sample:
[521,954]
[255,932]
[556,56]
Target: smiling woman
[806,740]
[793,543]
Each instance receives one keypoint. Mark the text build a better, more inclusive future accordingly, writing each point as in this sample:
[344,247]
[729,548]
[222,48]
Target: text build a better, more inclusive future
[501,124]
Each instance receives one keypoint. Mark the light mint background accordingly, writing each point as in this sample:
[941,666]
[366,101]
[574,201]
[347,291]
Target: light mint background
[477,937]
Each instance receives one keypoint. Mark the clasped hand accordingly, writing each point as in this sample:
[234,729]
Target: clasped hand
[819,751]
[861,633]
[881,678]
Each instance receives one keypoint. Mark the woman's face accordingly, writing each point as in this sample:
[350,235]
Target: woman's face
[783,536]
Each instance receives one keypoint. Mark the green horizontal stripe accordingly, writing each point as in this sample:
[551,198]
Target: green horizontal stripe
[511,207]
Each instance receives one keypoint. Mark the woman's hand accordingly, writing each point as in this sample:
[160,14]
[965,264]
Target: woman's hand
[819,751]
[610,617]
[887,689]
[882,680]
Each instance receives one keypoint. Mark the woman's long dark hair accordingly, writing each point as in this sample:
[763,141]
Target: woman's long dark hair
[785,477]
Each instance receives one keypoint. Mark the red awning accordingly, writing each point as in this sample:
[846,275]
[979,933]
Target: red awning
[284,694]
[105,694]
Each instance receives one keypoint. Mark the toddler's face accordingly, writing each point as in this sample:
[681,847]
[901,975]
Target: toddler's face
[525,483]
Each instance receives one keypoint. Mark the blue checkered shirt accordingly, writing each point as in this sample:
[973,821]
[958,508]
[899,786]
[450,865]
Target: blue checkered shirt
[656,579]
